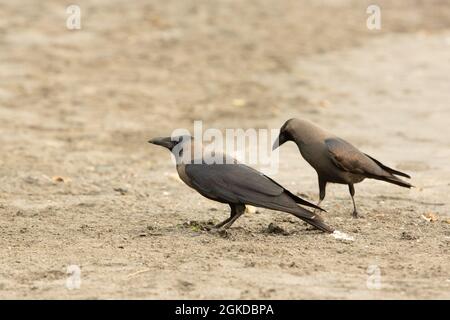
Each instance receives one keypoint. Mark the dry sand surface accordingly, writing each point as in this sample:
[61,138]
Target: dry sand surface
[81,105]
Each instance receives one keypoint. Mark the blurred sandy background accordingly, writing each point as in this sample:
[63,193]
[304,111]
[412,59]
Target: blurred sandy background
[80,185]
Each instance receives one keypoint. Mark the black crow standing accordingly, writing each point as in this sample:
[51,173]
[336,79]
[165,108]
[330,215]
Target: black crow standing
[334,159]
[235,184]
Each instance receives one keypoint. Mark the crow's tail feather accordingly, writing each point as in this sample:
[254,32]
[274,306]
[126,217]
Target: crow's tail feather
[394,180]
[315,220]
[390,170]
[299,200]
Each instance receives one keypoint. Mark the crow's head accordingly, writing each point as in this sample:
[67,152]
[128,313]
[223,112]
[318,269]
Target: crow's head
[285,134]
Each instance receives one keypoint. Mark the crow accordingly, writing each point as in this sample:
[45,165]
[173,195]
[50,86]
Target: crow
[236,184]
[334,159]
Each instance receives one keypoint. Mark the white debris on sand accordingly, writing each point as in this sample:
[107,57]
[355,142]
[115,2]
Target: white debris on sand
[342,236]
[250,209]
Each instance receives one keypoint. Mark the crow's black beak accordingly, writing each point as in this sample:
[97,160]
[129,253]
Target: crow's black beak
[165,142]
[279,141]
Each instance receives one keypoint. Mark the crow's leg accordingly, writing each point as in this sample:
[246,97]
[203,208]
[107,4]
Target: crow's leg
[232,214]
[239,210]
[351,188]
[322,191]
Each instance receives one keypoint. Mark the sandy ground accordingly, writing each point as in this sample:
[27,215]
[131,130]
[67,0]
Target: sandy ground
[81,105]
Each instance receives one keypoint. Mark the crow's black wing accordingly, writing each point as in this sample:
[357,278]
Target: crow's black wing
[348,158]
[238,183]
[230,182]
